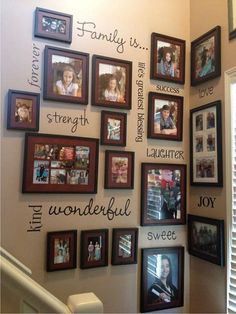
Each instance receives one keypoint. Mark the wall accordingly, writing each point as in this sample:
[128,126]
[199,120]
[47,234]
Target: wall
[208,281]
[117,286]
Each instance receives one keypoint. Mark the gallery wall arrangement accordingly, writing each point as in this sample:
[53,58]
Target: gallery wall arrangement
[102,162]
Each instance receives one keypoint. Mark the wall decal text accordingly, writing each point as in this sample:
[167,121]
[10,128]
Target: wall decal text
[35,70]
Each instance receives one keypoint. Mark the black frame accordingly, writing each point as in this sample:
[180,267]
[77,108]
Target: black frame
[156,57]
[206,145]
[126,252]
[199,73]
[108,139]
[151,292]
[59,157]
[52,263]
[88,260]
[154,130]
[13,120]
[100,82]
[128,182]
[156,209]
[66,23]
[54,73]
[196,237]
[232,28]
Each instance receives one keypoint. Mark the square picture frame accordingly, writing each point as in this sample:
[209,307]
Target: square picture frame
[124,246]
[60,164]
[66,75]
[206,238]
[206,167]
[113,128]
[165,116]
[163,194]
[23,110]
[53,25]
[162,289]
[94,248]
[61,250]
[112,82]
[119,169]
[232,18]
[206,57]
[167,58]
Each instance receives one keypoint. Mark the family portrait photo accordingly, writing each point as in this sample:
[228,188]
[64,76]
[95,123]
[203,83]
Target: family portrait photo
[61,250]
[163,194]
[165,115]
[162,278]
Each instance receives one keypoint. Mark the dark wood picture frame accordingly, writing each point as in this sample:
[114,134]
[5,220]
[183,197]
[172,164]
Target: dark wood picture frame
[94,248]
[119,169]
[112,82]
[167,58]
[206,165]
[206,57]
[163,194]
[165,116]
[231,17]
[53,25]
[113,128]
[61,250]
[206,238]
[60,164]
[124,246]
[66,75]
[23,110]
[154,294]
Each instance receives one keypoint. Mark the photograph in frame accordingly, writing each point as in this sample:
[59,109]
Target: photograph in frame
[113,128]
[124,246]
[60,164]
[119,169]
[162,278]
[23,110]
[206,145]
[61,250]
[94,248]
[66,75]
[232,18]
[206,57]
[53,25]
[167,58]
[163,194]
[165,116]
[206,238]
[112,82]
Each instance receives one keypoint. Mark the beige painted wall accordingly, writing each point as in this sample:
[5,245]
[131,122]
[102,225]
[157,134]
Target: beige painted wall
[208,281]
[118,287]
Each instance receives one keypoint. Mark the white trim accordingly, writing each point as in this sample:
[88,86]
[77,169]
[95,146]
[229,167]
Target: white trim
[230,78]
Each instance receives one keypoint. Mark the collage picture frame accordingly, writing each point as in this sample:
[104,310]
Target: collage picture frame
[206,168]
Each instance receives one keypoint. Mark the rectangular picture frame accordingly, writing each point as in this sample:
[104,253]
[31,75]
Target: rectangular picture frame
[206,57]
[60,164]
[167,58]
[23,110]
[112,82]
[113,128]
[94,248]
[163,194]
[206,166]
[206,238]
[165,116]
[66,75]
[232,18]
[119,169]
[162,278]
[53,25]
[61,250]
[124,246]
